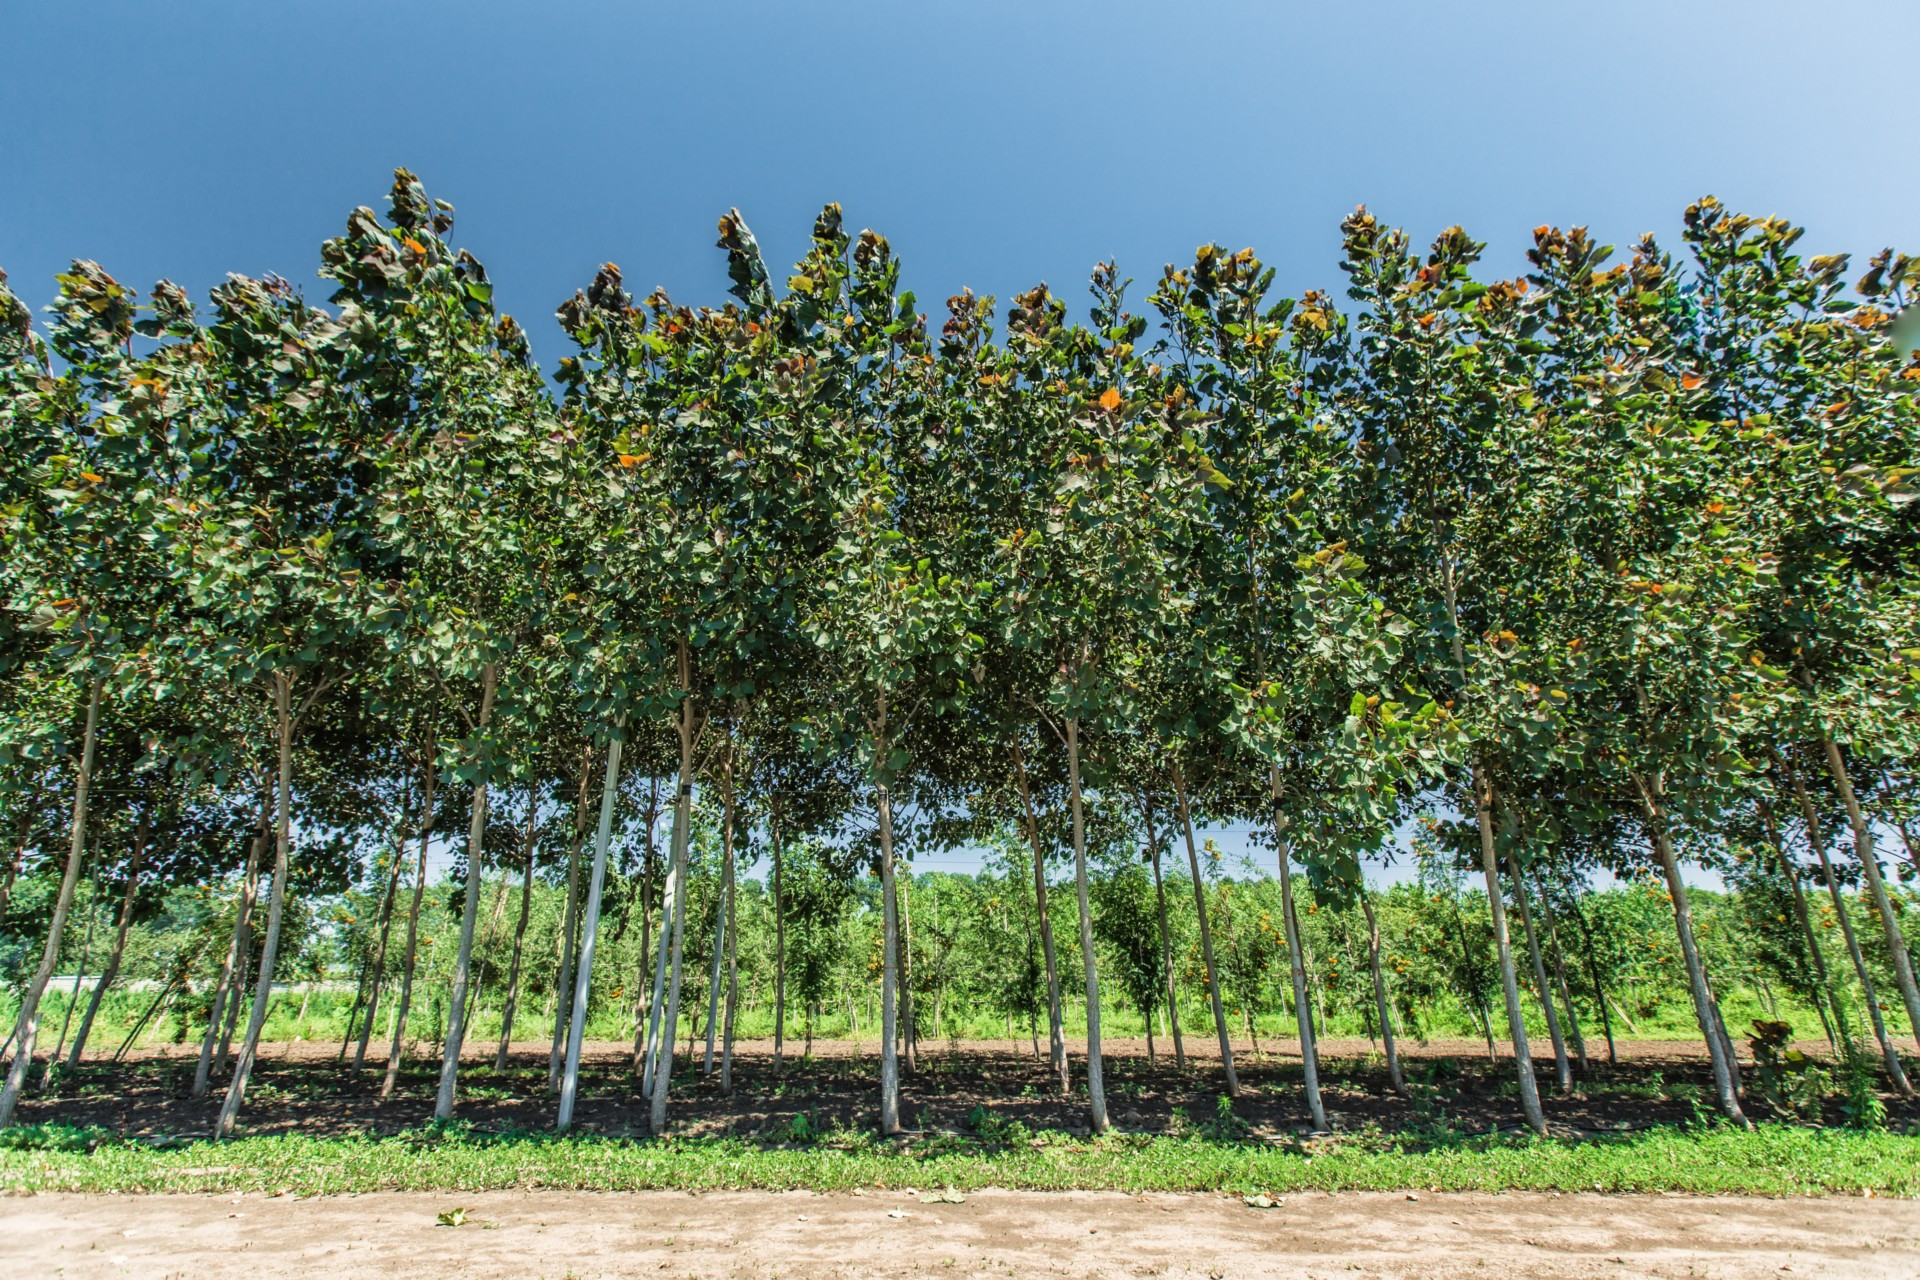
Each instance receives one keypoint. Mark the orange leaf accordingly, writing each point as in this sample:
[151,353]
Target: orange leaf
[1691,381]
[1110,400]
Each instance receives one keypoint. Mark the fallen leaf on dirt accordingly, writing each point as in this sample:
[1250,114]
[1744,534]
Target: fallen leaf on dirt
[452,1217]
[1261,1201]
[897,1213]
[946,1195]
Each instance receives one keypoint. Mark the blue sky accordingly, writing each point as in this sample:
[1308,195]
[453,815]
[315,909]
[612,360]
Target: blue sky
[996,144]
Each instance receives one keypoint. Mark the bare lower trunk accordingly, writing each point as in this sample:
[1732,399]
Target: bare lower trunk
[1593,976]
[909,1020]
[889,945]
[1206,935]
[1166,940]
[1889,1053]
[589,928]
[660,1079]
[119,948]
[1703,1006]
[27,1022]
[512,1004]
[1503,946]
[1825,1001]
[469,914]
[1056,1031]
[383,932]
[1560,982]
[1383,1006]
[276,911]
[410,956]
[563,979]
[1096,1087]
[1876,887]
[1296,961]
[779,942]
[1562,1067]
[236,951]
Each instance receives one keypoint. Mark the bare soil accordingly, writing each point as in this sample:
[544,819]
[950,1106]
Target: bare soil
[801,1235]
[305,1088]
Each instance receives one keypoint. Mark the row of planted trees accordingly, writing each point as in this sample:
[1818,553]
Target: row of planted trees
[1614,561]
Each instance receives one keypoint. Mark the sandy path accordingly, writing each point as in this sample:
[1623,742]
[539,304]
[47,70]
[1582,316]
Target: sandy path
[993,1233]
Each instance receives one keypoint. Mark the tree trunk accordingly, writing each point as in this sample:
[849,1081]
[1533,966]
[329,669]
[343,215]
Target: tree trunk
[1562,1068]
[671,893]
[469,914]
[1056,1030]
[642,974]
[1206,934]
[909,1021]
[659,1077]
[589,927]
[733,935]
[383,926]
[563,980]
[1503,948]
[1296,961]
[79,976]
[276,910]
[1166,941]
[512,1004]
[1825,1001]
[1560,983]
[1703,1006]
[1593,976]
[112,969]
[779,941]
[889,945]
[236,949]
[410,956]
[1816,839]
[1382,1005]
[718,967]
[1876,886]
[1096,1086]
[27,1022]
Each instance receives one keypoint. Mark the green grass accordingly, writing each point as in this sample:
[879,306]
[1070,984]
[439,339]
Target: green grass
[1772,1160]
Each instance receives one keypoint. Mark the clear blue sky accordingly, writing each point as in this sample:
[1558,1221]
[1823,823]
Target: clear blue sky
[996,144]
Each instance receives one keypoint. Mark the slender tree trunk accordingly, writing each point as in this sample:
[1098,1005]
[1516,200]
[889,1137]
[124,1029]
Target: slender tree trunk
[512,1005]
[79,977]
[779,941]
[276,910]
[1825,1001]
[469,914]
[1562,1067]
[1876,886]
[889,943]
[589,929]
[1206,934]
[1503,947]
[27,1022]
[720,929]
[112,969]
[563,980]
[1816,839]
[909,1021]
[1296,960]
[1593,976]
[1096,1086]
[236,948]
[1383,1006]
[733,966]
[659,1079]
[1703,1005]
[1166,939]
[672,892]
[643,971]
[1560,982]
[410,956]
[383,929]
[1056,1029]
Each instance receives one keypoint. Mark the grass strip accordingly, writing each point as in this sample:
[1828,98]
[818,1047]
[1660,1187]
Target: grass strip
[1772,1160]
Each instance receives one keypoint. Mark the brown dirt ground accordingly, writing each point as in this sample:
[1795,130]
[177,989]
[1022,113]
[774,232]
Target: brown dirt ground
[302,1087]
[993,1233]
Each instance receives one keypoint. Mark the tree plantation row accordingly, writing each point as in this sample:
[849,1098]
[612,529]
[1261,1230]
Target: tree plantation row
[1608,566]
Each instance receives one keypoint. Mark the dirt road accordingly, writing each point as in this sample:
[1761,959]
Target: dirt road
[991,1233]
